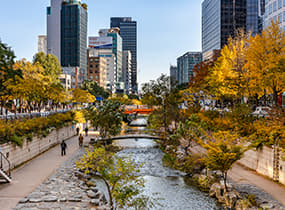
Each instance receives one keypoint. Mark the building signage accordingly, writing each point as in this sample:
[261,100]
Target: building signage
[101,42]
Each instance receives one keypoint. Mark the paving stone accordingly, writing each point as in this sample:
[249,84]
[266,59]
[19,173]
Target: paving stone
[50,199]
[25,200]
[35,200]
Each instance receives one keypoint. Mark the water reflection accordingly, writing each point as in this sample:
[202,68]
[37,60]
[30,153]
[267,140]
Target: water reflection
[167,182]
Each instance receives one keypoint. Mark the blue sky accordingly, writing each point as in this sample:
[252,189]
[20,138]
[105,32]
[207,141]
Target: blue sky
[166,28]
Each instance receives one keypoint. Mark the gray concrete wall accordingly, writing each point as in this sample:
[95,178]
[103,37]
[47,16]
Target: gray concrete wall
[17,155]
[262,161]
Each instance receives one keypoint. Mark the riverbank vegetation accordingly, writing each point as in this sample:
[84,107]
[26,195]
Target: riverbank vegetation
[213,114]
[120,177]
[17,130]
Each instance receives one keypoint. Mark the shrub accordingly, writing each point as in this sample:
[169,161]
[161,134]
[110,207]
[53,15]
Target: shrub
[15,131]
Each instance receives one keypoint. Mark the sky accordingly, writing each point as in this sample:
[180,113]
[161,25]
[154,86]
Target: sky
[166,28]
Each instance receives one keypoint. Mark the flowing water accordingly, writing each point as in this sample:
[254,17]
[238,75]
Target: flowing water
[168,183]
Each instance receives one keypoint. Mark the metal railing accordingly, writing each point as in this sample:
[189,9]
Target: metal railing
[2,159]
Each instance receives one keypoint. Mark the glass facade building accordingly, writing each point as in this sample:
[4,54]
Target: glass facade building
[118,52]
[220,20]
[185,65]
[275,10]
[254,19]
[74,36]
[128,32]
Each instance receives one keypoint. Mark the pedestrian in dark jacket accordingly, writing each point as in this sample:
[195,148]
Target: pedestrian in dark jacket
[77,131]
[63,148]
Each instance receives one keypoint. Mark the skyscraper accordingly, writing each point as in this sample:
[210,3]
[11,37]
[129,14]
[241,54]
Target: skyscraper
[275,10]
[128,32]
[254,16]
[74,37]
[118,52]
[220,20]
[127,71]
[53,28]
[185,65]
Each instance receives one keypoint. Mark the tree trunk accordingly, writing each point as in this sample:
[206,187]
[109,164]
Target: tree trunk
[225,180]
[109,191]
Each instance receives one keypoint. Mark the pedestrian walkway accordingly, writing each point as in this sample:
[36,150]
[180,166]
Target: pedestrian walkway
[29,176]
[242,175]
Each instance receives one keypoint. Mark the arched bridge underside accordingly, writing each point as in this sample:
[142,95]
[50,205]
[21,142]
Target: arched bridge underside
[131,136]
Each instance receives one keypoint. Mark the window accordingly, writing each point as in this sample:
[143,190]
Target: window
[280,17]
[274,6]
[283,3]
[284,16]
[48,10]
[279,4]
[270,8]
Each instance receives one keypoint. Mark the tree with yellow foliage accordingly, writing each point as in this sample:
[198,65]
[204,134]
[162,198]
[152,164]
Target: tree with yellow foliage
[82,96]
[223,150]
[266,62]
[228,77]
[32,87]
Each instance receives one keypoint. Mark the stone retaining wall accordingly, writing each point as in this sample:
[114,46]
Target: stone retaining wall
[17,155]
[262,161]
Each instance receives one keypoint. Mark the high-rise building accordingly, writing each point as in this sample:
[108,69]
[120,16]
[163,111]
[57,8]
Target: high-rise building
[173,74]
[74,37]
[275,10]
[42,44]
[220,20]
[117,51]
[53,28]
[128,32]
[109,44]
[97,68]
[127,71]
[254,17]
[185,65]
[102,46]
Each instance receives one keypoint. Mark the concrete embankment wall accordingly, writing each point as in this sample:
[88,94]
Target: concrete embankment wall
[18,155]
[261,160]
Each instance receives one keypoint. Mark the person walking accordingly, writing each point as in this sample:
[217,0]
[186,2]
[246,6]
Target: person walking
[80,139]
[77,131]
[63,148]
[86,131]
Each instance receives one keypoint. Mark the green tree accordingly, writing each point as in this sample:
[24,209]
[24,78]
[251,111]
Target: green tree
[107,118]
[50,64]
[6,72]
[158,93]
[120,176]
[93,88]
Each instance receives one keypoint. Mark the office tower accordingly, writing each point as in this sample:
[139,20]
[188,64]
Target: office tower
[127,71]
[173,72]
[220,20]
[275,10]
[109,44]
[254,18]
[53,28]
[42,44]
[102,46]
[97,70]
[185,65]
[117,51]
[128,32]
[74,39]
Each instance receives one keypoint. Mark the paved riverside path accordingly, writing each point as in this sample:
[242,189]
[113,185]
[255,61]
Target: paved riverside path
[242,175]
[29,176]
